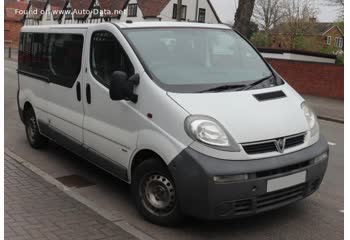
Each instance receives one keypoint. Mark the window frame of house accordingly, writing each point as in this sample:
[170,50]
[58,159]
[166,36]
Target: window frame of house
[328,40]
[68,14]
[183,11]
[339,41]
[132,10]
[48,15]
[201,15]
[93,14]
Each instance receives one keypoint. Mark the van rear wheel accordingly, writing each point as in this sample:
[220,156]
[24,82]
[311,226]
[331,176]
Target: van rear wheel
[34,137]
[154,194]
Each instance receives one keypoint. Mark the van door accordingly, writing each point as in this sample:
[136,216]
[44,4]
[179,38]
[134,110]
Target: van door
[110,127]
[65,107]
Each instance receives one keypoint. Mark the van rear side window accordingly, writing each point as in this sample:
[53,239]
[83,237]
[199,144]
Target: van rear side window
[56,57]
[65,58]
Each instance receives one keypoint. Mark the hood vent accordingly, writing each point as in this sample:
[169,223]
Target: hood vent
[269,96]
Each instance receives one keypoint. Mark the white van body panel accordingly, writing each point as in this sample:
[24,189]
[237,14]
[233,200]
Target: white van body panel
[65,112]
[35,93]
[110,127]
[164,132]
[261,120]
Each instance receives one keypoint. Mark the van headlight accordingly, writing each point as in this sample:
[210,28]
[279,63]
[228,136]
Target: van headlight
[210,132]
[311,119]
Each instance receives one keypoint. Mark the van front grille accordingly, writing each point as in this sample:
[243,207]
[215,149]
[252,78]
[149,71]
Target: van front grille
[263,202]
[280,197]
[272,144]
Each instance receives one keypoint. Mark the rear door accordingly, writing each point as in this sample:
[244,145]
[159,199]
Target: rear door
[65,108]
[32,72]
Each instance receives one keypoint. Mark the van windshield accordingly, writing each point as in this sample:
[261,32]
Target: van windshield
[196,59]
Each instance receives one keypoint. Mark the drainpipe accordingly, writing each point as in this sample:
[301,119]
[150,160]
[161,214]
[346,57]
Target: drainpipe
[196,13]
[179,10]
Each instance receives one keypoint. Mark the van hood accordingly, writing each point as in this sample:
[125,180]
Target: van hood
[246,118]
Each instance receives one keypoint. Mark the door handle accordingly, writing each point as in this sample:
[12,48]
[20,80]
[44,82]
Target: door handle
[78,89]
[88,93]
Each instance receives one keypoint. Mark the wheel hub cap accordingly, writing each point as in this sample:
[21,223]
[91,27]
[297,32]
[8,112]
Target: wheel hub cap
[159,193]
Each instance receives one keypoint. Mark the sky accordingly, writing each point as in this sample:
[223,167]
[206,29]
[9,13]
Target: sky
[227,8]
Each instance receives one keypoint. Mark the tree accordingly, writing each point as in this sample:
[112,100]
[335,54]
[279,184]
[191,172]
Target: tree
[243,15]
[268,13]
[300,16]
[253,28]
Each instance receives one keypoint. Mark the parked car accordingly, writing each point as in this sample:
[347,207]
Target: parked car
[189,114]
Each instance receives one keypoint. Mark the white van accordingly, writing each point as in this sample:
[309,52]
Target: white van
[189,114]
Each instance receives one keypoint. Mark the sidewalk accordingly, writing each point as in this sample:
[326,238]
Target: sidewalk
[35,209]
[327,108]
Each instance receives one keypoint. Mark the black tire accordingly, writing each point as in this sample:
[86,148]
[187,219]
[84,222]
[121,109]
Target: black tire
[34,137]
[148,175]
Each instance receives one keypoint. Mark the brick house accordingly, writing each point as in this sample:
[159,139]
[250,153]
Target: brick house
[121,10]
[13,21]
[316,37]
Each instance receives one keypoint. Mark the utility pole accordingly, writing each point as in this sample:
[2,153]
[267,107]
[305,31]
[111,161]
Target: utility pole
[179,10]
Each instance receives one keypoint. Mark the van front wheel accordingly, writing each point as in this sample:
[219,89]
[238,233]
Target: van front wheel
[154,193]
[34,137]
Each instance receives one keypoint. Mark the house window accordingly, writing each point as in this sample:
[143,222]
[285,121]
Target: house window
[328,40]
[132,10]
[183,12]
[68,13]
[96,12]
[201,15]
[338,42]
[48,16]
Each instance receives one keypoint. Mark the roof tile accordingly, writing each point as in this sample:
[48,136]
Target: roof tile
[152,8]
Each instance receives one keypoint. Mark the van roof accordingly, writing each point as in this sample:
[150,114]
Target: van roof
[124,25]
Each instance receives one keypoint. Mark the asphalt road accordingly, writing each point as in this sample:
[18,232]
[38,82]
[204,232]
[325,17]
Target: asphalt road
[318,217]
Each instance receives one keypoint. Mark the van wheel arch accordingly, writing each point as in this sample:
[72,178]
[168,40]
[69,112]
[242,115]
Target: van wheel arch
[27,106]
[143,155]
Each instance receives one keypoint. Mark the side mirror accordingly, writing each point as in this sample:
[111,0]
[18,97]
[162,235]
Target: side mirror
[122,88]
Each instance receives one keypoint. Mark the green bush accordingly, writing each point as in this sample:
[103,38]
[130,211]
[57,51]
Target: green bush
[260,39]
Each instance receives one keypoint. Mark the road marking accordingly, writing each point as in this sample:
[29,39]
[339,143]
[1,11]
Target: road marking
[331,144]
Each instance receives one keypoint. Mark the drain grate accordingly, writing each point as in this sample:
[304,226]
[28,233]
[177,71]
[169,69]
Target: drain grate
[75,181]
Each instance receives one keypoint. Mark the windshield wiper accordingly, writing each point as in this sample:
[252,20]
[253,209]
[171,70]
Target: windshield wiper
[256,83]
[223,88]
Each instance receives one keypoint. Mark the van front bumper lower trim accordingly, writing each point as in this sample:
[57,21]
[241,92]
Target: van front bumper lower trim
[200,196]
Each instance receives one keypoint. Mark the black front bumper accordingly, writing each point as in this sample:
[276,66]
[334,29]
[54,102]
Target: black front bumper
[200,196]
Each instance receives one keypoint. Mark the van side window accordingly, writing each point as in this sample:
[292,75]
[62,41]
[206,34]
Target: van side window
[65,58]
[54,56]
[107,56]
[40,54]
[25,52]
[21,51]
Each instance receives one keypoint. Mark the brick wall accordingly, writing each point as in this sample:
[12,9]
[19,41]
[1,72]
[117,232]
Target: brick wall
[318,79]
[11,32]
